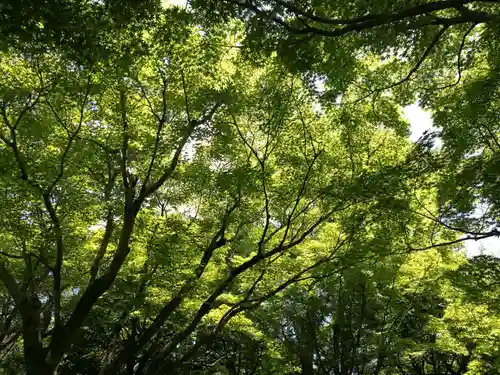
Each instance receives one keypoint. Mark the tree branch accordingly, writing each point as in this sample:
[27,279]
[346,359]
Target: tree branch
[382,19]
[264,187]
[62,338]
[56,270]
[346,26]
[12,143]
[185,96]
[299,196]
[71,136]
[161,122]
[11,285]
[413,70]
[208,304]
[459,58]
[248,303]
[218,240]
[148,190]
[126,136]
[494,233]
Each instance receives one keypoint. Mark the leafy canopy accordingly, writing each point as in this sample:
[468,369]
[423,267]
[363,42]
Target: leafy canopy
[228,188]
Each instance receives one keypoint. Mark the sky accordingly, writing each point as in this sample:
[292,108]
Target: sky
[175,2]
[419,120]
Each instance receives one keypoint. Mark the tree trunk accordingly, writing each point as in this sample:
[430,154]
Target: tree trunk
[306,361]
[34,353]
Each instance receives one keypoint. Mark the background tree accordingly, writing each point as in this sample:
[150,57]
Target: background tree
[171,204]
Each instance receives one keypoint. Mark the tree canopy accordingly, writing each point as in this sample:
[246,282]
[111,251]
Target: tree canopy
[228,187]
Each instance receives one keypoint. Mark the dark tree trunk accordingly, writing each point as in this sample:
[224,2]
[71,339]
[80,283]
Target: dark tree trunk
[34,353]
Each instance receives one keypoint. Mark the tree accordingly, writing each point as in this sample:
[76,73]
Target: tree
[104,207]
[164,195]
[443,54]
[414,39]
[400,316]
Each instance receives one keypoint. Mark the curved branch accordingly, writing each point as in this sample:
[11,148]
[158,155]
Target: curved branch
[192,125]
[358,24]
[458,241]
[413,70]
[382,19]
[459,59]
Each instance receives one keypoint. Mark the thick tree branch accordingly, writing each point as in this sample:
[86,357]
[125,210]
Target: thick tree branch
[218,240]
[358,24]
[249,303]
[494,233]
[56,270]
[12,256]
[382,19]
[11,285]
[209,303]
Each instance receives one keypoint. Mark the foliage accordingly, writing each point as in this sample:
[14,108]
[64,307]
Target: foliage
[228,188]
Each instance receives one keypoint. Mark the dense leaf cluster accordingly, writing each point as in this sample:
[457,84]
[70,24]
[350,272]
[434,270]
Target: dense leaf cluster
[228,187]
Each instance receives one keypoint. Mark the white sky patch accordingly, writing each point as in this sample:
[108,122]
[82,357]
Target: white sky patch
[487,246]
[188,211]
[420,121]
[319,84]
[319,87]
[220,166]
[180,3]
[191,146]
[189,150]
[98,226]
